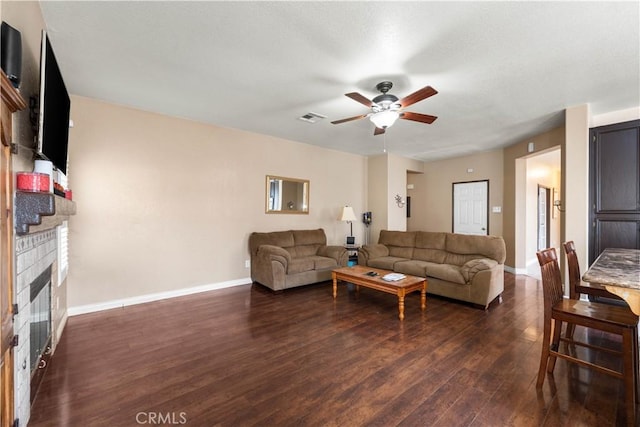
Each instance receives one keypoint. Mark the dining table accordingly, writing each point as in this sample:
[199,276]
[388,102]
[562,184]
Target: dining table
[618,271]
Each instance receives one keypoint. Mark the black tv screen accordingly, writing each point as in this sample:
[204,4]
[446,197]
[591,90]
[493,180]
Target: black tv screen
[53,131]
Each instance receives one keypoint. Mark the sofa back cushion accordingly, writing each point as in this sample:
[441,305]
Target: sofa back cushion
[463,247]
[307,242]
[400,243]
[299,243]
[430,246]
[284,239]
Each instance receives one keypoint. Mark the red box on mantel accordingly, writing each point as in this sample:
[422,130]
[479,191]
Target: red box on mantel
[32,181]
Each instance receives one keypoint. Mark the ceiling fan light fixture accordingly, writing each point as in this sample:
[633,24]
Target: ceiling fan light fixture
[384,119]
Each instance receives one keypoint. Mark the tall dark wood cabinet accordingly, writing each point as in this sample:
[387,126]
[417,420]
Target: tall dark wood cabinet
[614,187]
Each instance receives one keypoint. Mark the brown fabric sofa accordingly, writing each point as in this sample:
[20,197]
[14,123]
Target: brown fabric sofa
[464,267]
[285,259]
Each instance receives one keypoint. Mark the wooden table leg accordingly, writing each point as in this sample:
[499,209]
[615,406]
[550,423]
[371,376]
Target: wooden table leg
[401,304]
[423,296]
[335,285]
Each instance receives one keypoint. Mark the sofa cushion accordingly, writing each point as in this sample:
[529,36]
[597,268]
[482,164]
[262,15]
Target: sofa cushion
[307,242]
[322,262]
[412,267]
[299,265]
[309,237]
[431,255]
[401,252]
[459,259]
[283,239]
[405,239]
[306,250]
[482,246]
[385,262]
[430,246]
[448,272]
[375,251]
[431,240]
[400,243]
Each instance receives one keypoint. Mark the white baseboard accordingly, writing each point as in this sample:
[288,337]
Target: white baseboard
[141,299]
[512,270]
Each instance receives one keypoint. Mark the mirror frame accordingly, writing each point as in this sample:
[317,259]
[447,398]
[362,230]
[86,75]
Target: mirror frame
[305,183]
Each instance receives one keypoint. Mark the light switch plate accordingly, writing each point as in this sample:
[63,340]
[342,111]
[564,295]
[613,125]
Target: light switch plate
[496,209]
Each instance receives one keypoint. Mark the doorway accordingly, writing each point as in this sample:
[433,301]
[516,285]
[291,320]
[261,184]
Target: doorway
[539,224]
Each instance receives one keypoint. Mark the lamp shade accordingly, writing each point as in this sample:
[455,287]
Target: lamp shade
[384,119]
[347,214]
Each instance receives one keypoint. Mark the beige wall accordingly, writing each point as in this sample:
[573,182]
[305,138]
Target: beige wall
[431,197]
[399,168]
[575,167]
[165,203]
[378,188]
[387,175]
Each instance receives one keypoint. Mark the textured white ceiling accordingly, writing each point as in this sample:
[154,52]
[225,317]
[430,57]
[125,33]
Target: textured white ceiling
[504,70]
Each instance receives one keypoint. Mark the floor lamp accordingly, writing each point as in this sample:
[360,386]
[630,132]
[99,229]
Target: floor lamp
[349,216]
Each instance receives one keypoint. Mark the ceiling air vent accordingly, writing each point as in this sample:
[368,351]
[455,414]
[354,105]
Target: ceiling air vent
[312,117]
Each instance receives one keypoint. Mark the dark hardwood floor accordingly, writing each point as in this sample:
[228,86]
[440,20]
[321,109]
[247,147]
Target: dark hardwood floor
[245,356]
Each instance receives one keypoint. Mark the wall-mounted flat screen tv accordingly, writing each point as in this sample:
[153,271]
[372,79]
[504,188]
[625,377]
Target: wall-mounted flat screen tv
[53,120]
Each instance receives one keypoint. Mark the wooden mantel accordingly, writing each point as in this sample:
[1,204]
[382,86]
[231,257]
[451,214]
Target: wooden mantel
[41,211]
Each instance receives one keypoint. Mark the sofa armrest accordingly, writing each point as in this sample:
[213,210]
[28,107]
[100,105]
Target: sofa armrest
[470,268]
[269,266]
[339,253]
[271,253]
[369,252]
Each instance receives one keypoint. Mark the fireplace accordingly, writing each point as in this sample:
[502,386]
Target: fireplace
[36,288]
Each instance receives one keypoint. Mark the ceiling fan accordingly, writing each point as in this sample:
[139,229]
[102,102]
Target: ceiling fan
[387,108]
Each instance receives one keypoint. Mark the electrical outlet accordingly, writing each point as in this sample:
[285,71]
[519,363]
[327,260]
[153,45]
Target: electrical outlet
[247,263]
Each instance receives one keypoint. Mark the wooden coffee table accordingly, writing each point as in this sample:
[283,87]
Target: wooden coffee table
[358,276]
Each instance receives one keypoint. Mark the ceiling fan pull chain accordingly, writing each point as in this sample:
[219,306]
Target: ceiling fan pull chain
[384,147]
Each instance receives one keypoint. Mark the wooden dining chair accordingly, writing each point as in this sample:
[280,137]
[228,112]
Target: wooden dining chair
[576,286]
[608,318]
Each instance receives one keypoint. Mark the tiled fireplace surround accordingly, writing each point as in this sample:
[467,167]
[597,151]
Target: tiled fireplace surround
[34,254]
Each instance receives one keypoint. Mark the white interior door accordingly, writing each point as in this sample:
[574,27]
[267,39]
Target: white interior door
[543,217]
[470,207]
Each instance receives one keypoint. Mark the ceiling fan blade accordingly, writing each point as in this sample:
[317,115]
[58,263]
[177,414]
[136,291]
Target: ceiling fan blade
[417,117]
[360,98]
[418,95]
[362,116]
[378,131]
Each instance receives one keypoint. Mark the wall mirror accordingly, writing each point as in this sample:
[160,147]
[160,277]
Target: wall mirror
[287,195]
